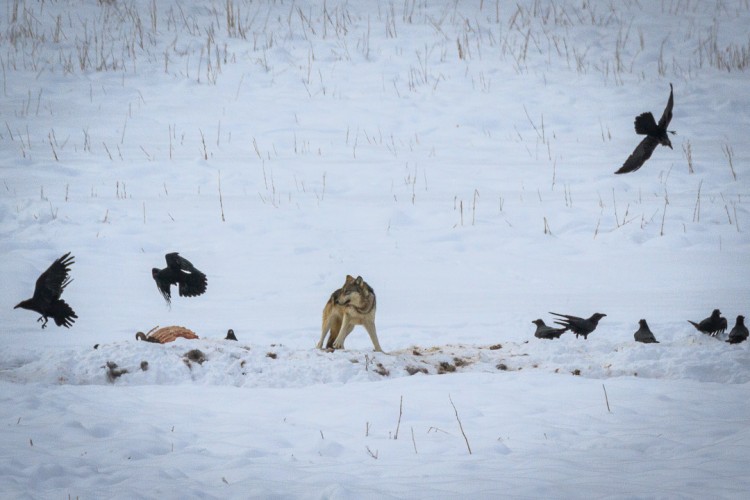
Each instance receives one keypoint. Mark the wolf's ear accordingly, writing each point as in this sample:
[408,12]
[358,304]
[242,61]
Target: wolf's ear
[349,278]
[359,280]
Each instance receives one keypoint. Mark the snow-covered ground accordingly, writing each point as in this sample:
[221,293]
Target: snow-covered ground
[457,155]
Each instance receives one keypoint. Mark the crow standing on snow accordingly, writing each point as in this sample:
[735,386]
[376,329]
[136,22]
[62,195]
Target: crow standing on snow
[644,334]
[577,325]
[655,134]
[230,335]
[713,325]
[49,287]
[739,333]
[547,332]
[179,271]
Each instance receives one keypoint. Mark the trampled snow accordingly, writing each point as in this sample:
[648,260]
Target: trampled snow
[460,157]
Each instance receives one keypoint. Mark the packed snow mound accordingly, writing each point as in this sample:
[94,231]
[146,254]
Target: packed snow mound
[227,363]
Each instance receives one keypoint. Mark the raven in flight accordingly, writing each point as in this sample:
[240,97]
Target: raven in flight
[49,287]
[713,325]
[179,271]
[577,325]
[655,134]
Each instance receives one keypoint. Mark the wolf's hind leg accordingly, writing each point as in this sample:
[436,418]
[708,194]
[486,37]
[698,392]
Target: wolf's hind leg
[324,330]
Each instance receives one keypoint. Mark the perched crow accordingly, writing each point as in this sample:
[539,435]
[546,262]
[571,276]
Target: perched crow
[713,325]
[644,334]
[577,325]
[739,332]
[547,332]
[179,271]
[655,134]
[49,287]
[230,335]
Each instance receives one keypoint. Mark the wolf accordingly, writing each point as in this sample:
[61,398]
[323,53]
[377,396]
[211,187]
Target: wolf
[351,305]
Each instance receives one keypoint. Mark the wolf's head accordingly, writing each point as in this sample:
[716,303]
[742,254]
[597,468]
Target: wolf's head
[356,293]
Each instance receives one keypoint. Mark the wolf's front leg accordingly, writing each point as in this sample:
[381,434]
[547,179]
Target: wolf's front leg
[346,329]
[370,327]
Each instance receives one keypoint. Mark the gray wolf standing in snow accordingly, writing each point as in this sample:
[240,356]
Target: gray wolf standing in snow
[351,305]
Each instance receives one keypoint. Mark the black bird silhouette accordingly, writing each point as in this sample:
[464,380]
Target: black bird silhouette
[49,287]
[644,334]
[655,134]
[739,333]
[230,335]
[179,271]
[577,325]
[713,325]
[547,332]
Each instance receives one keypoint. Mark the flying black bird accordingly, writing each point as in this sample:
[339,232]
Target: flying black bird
[713,325]
[644,334]
[577,325]
[179,271]
[547,332]
[739,333]
[49,287]
[655,134]
[230,335]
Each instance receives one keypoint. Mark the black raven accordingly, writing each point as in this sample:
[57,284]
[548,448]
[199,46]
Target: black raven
[577,325]
[179,271]
[655,134]
[644,334]
[739,333]
[49,287]
[547,332]
[713,325]
[230,335]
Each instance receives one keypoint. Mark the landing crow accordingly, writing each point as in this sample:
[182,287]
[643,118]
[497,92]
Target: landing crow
[49,287]
[577,325]
[655,134]
[739,333]
[713,325]
[179,271]
[547,332]
[644,334]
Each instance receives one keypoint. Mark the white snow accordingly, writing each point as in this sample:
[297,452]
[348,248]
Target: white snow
[457,155]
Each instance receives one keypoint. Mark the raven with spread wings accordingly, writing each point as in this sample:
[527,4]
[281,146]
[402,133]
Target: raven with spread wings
[179,271]
[49,287]
[656,133]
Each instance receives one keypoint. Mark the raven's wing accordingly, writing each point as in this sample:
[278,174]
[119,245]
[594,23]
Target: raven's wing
[62,313]
[193,284]
[642,153]
[666,117]
[566,316]
[176,262]
[52,282]
[565,320]
[192,281]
